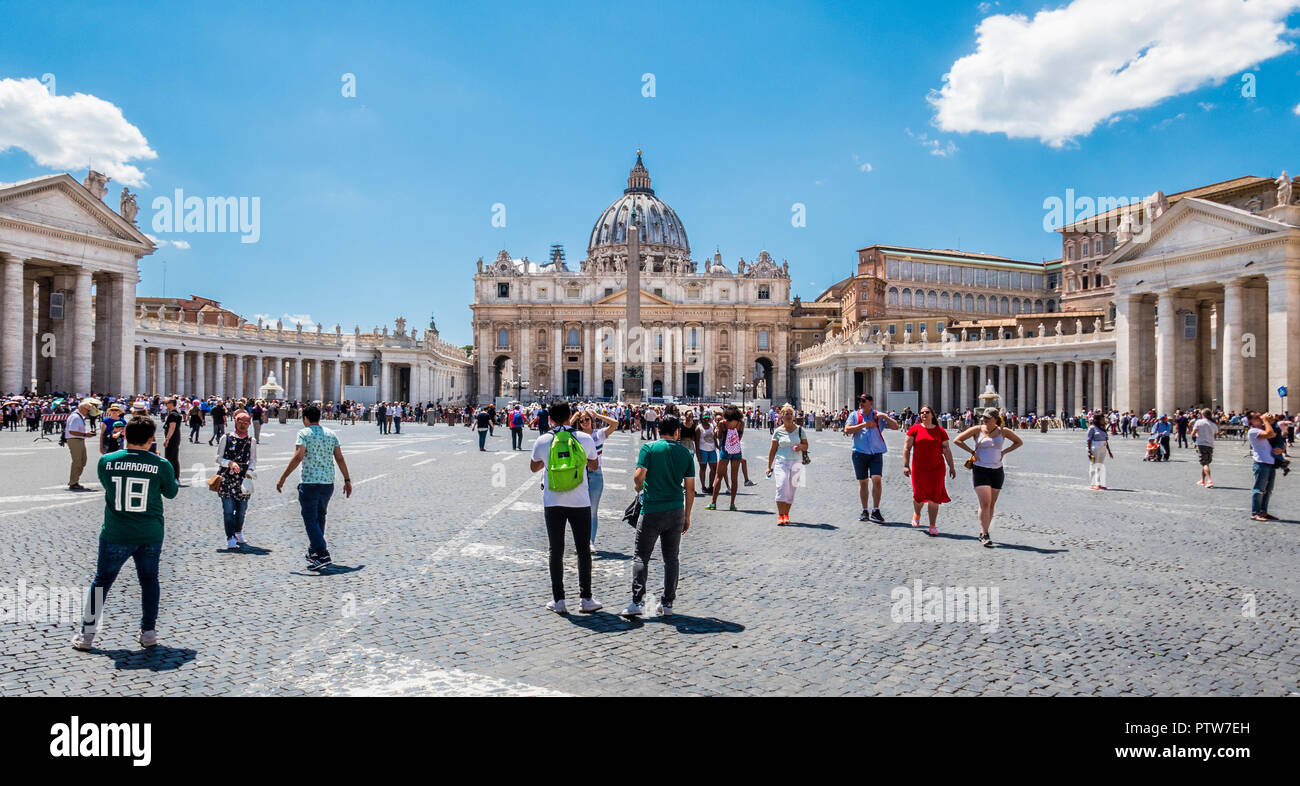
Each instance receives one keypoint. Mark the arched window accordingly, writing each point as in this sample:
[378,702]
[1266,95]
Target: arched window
[893,296]
[907,298]
[722,337]
[943,300]
[1005,306]
[980,305]
[932,299]
[1051,306]
[695,338]
[1015,305]
[1069,251]
[762,339]
[1038,306]
[503,338]
[573,337]
[970,303]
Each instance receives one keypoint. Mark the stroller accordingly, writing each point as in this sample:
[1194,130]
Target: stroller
[1153,450]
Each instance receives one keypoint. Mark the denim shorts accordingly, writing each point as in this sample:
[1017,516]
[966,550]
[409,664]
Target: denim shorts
[708,457]
[866,465]
[729,456]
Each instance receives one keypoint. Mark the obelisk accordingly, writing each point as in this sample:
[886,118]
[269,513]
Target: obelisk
[635,341]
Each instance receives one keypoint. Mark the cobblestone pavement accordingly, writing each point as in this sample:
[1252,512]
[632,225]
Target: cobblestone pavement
[1148,588]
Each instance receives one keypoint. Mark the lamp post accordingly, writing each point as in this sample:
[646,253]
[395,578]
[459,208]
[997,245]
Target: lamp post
[741,385]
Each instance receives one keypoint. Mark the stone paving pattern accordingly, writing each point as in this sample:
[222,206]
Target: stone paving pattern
[442,582]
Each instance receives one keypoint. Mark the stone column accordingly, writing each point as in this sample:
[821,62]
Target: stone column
[666,331]
[620,346]
[385,380]
[1283,337]
[1040,391]
[1234,371]
[945,388]
[1001,380]
[964,387]
[1129,357]
[219,374]
[1022,396]
[878,386]
[1097,398]
[589,361]
[239,375]
[82,328]
[925,388]
[1060,388]
[485,341]
[141,368]
[181,373]
[337,393]
[1167,355]
[317,389]
[123,327]
[29,334]
[557,348]
[159,371]
[12,318]
[1077,389]
[524,365]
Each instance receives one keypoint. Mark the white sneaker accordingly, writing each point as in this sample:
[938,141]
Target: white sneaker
[557,606]
[588,605]
[665,609]
[83,641]
[239,538]
[633,610]
[148,638]
[231,543]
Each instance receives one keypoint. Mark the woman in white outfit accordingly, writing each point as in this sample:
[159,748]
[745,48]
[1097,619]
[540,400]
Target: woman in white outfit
[1098,451]
[785,462]
[989,437]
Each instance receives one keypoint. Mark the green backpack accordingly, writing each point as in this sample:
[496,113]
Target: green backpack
[566,463]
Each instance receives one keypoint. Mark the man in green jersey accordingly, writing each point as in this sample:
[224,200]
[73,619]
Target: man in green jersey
[135,481]
[665,477]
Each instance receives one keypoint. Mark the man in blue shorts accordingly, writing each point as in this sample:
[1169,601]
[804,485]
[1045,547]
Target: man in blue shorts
[866,425]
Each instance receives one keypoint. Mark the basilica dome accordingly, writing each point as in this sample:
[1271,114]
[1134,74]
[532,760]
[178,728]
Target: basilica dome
[659,224]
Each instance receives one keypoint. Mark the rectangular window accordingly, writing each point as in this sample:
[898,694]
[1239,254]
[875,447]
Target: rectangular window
[938,327]
[573,294]
[907,327]
[931,272]
[893,330]
[765,292]
[724,295]
[659,291]
[922,324]
[692,294]
[1189,325]
[891,268]
[1015,281]
[945,274]
[609,291]
[503,290]
[968,276]
[980,277]
[1004,279]
[541,293]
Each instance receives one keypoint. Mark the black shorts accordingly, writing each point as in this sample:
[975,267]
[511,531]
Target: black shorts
[1207,454]
[986,476]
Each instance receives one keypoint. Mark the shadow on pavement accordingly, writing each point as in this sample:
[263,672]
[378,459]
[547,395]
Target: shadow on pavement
[256,551]
[159,658]
[811,526]
[329,570]
[685,623]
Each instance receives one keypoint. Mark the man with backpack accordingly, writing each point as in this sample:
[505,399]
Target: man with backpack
[516,428]
[566,454]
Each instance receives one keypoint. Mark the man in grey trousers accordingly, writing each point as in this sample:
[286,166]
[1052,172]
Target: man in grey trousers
[665,477]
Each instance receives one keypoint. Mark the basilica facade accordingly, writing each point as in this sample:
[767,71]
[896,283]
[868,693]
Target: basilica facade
[712,331]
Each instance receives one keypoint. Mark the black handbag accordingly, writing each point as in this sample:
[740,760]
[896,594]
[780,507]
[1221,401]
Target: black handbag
[633,511]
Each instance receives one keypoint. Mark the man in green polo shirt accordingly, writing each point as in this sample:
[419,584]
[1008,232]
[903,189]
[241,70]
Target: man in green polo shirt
[661,469]
[135,482]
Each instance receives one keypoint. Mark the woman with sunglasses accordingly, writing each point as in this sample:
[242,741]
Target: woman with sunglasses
[924,454]
[586,421]
[989,438]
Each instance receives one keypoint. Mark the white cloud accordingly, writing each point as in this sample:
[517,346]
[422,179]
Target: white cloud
[1205,105]
[180,244]
[1168,121]
[943,149]
[863,166]
[1058,75]
[290,320]
[1297,109]
[70,132]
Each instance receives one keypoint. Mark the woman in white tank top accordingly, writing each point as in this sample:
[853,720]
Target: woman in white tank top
[990,438]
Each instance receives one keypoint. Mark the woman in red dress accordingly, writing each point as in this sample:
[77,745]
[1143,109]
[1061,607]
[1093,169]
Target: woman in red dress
[924,455]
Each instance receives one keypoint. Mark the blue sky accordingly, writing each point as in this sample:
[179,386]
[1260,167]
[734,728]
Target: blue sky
[378,206]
